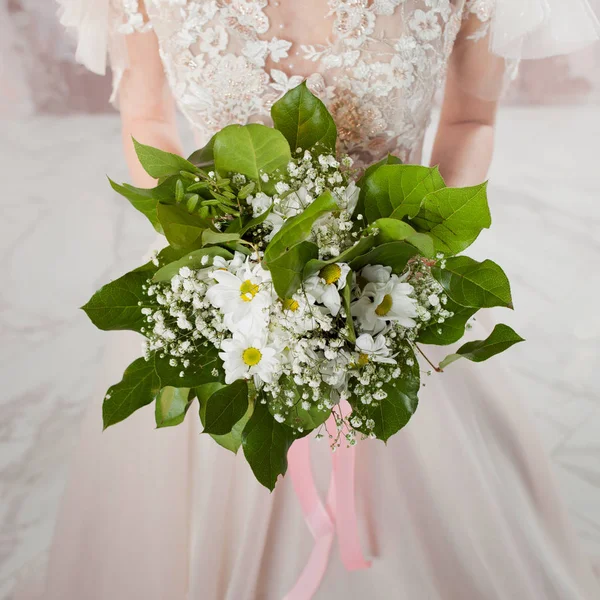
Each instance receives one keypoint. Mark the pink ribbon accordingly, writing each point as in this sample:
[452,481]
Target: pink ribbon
[323,521]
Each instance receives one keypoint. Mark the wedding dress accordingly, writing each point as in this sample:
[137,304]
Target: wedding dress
[460,504]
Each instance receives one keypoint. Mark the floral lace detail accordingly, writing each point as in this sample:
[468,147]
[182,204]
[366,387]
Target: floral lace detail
[377,70]
[127,17]
[483,10]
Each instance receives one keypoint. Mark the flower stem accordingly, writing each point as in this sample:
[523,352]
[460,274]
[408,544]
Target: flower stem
[436,369]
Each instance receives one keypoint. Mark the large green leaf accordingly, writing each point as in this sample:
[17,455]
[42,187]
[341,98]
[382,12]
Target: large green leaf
[361,247]
[171,406]
[286,271]
[454,217]
[298,228]
[393,412]
[501,339]
[158,163]
[230,441]
[116,306]
[142,200]
[451,330]
[398,190]
[252,150]
[216,237]
[143,379]
[473,284]
[394,230]
[304,120]
[266,443]
[225,408]
[392,254]
[204,158]
[192,260]
[139,387]
[182,229]
[390,159]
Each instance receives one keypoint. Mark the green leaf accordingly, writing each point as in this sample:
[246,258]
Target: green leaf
[454,217]
[192,260]
[390,159]
[397,191]
[363,245]
[251,150]
[392,254]
[473,284]
[158,163]
[171,406]
[139,387]
[266,443]
[225,408]
[393,412]
[233,440]
[255,221]
[216,237]
[298,228]
[142,200]
[304,120]
[115,306]
[204,158]
[143,380]
[394,230]
[347,298]
[451,330]
[298,417]
[286,271]
[182,229]
[501,339]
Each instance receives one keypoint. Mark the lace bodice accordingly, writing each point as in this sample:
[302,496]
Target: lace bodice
[376,63]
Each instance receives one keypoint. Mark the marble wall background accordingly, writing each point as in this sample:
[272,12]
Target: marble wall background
[62,232]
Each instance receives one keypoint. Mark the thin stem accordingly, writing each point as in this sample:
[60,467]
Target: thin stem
[436,369]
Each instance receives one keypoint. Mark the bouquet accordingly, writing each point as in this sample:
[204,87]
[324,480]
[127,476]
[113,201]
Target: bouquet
[291,283]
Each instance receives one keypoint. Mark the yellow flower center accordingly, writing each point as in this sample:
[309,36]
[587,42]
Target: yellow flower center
[248,290]
[330,273]
[290,304]
[363,359]
[251,356]
[385,306]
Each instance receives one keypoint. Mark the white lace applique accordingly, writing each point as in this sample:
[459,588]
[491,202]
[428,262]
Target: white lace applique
[377,71]
[483,10]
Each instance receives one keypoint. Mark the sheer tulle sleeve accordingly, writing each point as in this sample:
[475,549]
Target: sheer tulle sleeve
[100,27]
[497,34]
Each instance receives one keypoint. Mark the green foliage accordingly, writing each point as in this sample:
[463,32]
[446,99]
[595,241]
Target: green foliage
[473,284]
[390,159]
[204,158]
[159,164]
[230,441]
[251,150]
[192,260]
[451,330]
[286,271]
[143,380]
[142,200]
[266,443]
[304,121]
[216,237]
[454,217]
[347,299]
[392,254]
[298,228]
[116,305]
[397,191]
[225,408]
[363,245]
[171,406]
[501,339]
[394,230]
[182,229]
[393,412]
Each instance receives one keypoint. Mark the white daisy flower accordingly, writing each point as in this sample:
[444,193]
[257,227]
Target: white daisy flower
[242,296]
[382,302]
[246,356]
[373,349]
[325,285]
